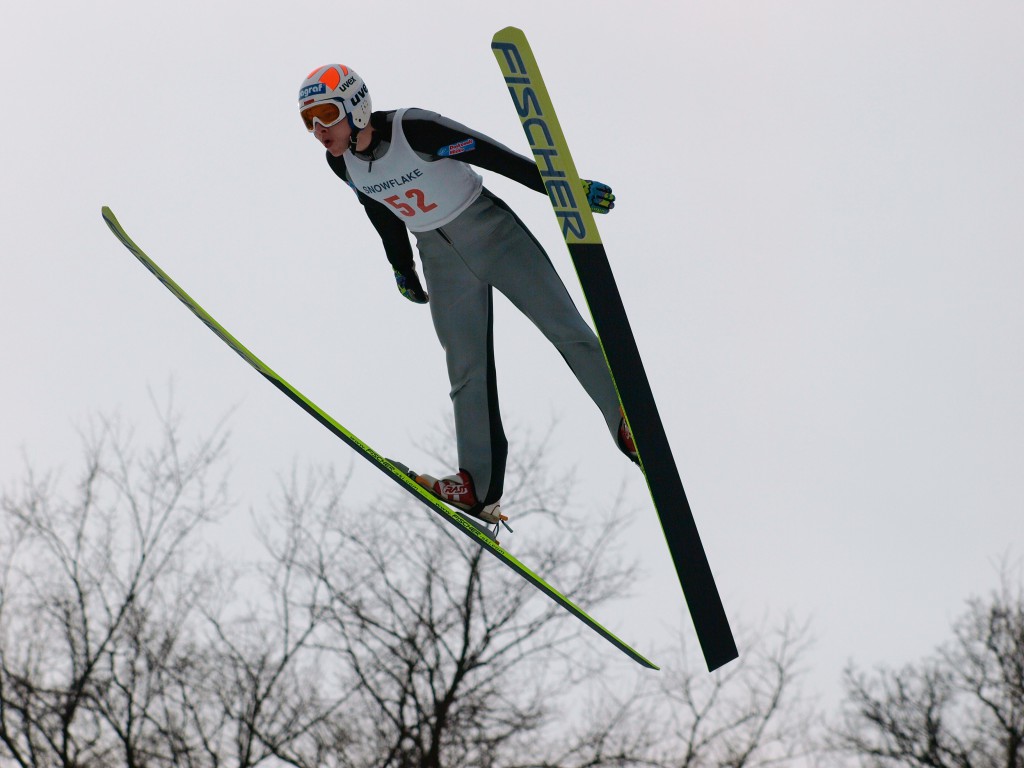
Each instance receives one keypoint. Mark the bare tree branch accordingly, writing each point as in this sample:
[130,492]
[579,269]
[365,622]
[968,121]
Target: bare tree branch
[91,570]
[963,708]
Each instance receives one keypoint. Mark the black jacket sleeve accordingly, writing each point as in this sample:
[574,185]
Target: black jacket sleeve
[431,134]
[392,233]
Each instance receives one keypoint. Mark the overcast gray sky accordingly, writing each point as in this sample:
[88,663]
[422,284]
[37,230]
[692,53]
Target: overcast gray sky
[819,238]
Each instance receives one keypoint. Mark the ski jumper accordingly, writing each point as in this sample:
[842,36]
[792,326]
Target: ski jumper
[416,176]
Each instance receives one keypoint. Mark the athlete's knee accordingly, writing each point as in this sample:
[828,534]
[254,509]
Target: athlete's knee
[573,347]
[459,386]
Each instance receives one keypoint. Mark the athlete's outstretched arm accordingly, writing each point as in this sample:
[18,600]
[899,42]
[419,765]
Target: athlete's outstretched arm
[431,134]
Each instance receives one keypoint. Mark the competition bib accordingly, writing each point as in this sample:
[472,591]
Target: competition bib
[424,194]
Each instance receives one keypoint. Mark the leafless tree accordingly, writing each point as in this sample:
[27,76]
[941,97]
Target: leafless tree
[371,635]
[962,708]
[89,599]
[454,661]
[451,658]
[752,713]
[267,695]
[119,643]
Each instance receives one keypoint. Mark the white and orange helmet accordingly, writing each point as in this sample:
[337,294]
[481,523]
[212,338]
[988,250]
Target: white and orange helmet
[332,93]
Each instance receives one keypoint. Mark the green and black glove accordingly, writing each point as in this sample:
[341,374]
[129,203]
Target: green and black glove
[409,285]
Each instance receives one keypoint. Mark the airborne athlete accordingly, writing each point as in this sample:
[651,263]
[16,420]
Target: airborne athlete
[411,170]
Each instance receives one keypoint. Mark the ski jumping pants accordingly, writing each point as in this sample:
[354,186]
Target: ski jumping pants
[486,247]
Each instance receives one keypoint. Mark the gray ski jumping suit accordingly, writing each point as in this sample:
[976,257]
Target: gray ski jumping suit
[416,176]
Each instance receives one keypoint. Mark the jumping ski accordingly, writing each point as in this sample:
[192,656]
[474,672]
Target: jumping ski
[399,473]
[565,190]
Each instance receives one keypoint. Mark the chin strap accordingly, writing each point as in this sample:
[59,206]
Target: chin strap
[353,137]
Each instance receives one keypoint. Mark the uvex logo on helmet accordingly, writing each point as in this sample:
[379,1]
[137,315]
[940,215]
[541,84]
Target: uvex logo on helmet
[358,96]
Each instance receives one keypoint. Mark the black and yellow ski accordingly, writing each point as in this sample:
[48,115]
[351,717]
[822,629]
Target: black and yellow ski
[551,152]
[397,472]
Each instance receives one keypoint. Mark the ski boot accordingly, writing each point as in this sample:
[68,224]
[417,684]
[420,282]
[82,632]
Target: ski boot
[457,490]
[625,441]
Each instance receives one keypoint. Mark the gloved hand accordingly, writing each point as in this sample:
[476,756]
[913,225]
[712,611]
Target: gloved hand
[599,196]
[409,285]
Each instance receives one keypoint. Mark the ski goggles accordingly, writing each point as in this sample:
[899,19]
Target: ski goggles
[327,113]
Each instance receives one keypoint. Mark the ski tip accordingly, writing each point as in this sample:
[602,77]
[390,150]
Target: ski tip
[505,34]
[111,221]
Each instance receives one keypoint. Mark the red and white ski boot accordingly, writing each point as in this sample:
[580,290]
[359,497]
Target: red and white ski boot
[458,491]
[626,444]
